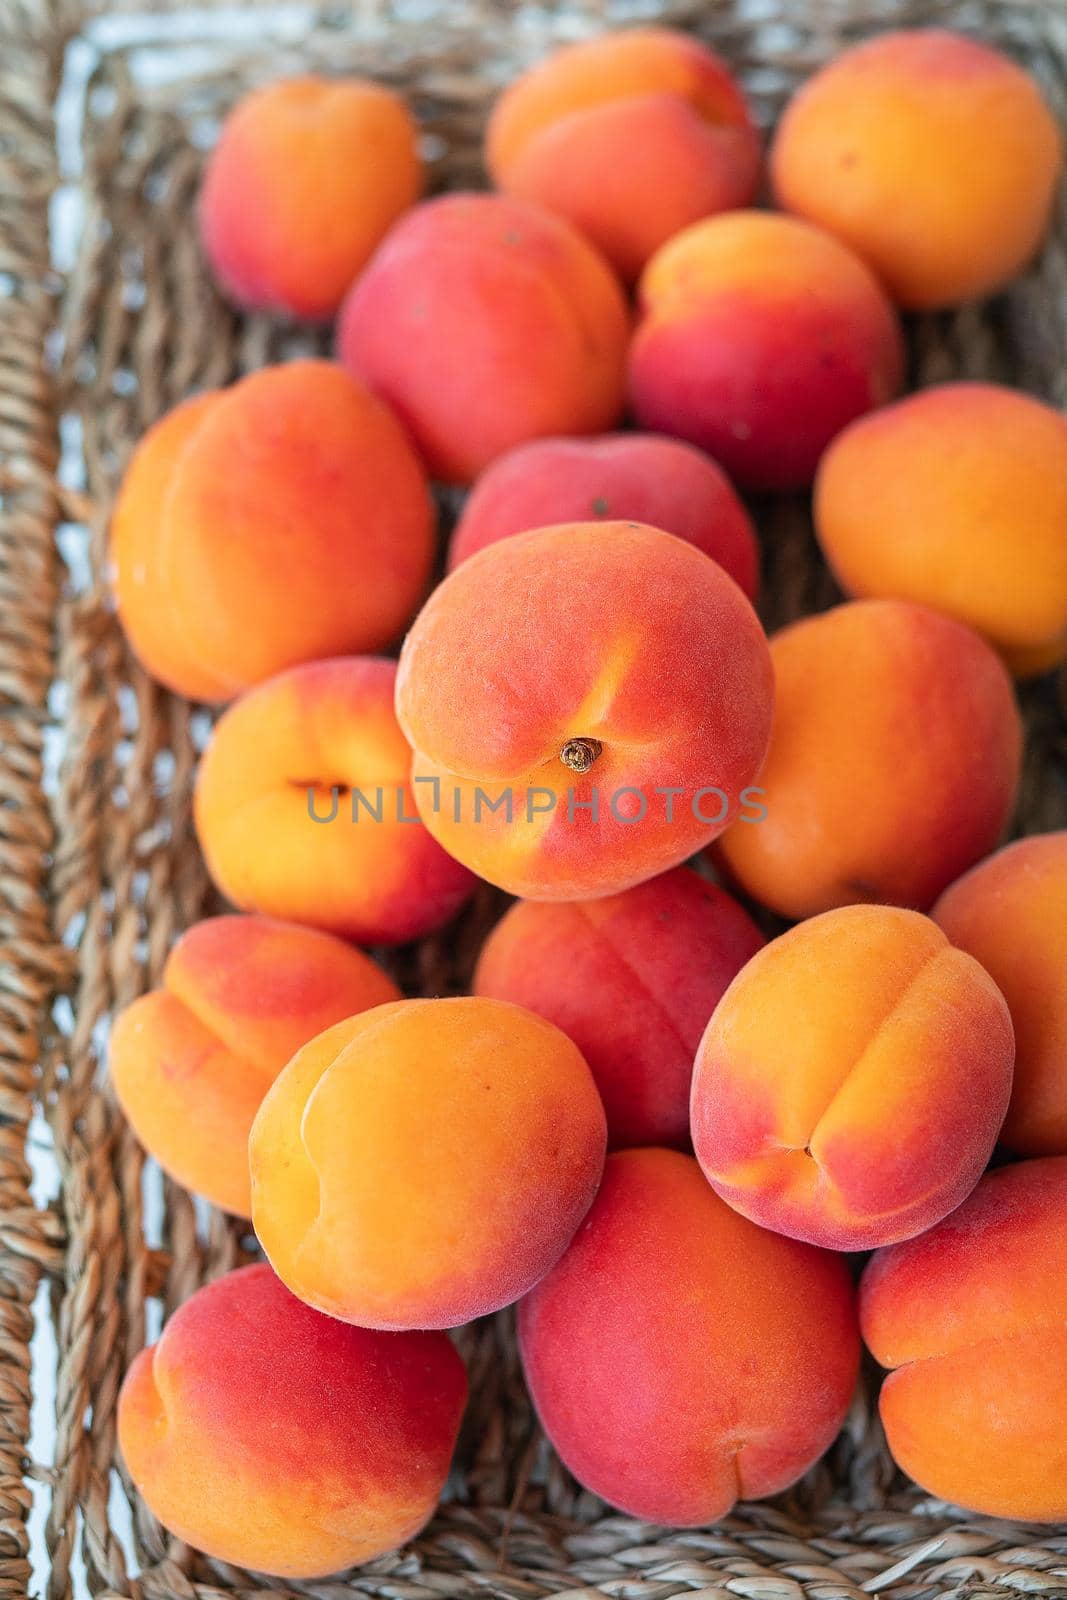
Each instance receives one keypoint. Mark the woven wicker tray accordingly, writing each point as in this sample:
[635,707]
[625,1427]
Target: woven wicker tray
[98,869]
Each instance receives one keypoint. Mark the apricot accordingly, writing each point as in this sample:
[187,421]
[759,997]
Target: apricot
[632,136]
[759,339]
[880,148]
[970,1318]
[274,1438]
[623,477]
[957,497]
[485,321]
[852,1081]
[588,705]
[307,177]
[279,521]
[893,766]
[681,1358]
[1010,913]
[303,808]
[426,1162]
[191,1061]
[632,979]
[149,617]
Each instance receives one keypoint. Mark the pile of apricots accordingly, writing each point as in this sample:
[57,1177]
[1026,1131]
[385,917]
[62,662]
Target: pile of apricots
[658,1133]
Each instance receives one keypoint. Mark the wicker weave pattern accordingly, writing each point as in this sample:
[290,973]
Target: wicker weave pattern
[97,869]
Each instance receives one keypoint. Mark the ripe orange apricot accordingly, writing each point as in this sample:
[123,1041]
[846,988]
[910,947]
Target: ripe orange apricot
[679,1357]
[486,321]
[622,477]
[880,147]
[588,705]
[274,1438]
[279,521]
[957,497]
[893,766]
[852,1081]
[759,339]
[631,135]
[191,1061]
[970,1318]
[303,808]
[425,1162]
[1010,913]
[307,177]
[632,978]
[150,618]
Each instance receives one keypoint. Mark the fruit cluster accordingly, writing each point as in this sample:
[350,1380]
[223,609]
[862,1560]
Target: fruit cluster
[658,1133]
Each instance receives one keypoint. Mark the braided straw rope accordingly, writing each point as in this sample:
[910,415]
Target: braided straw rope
[98,872]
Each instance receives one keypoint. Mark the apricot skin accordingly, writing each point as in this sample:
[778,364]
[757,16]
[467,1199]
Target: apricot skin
[426,1162]
[150,620]
[852,1081]
[879,147]
[759,338]
[485,321]
[1010,913]
[632,136]
[303,808]
[956,497]
[282,520]
[191,1061]
[969,1317]
[632,979]
[625,477]
[307,177]
[893,766]
[277,1439]
[614,633]
[681,1358]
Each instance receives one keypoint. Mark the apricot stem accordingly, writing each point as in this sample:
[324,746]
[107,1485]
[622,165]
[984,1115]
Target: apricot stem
[579,754]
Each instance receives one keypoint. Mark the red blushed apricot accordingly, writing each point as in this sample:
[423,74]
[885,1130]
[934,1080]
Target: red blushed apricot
[879,147]
[279,521]
[681,1358]
[1010,913]
[970,1318]
[852,1081]
[894,761]
[274,1438]
[426,1162]
[632,979]
[307,177]
[304,810]
[759,339]
[191,1061]
[957,497]
[624,477]
[604,686]
[485,321]
[632,136]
